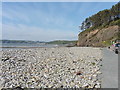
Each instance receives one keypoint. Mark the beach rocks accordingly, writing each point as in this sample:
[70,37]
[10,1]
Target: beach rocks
[64,67]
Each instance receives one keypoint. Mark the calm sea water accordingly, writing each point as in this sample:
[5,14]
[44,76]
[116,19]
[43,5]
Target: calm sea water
[22,45]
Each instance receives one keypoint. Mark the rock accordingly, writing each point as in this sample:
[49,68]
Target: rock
[74,61]
[2,82]
[41,68]
[85,85]
[79,73]
[5,59]
[90,78]
[98,85]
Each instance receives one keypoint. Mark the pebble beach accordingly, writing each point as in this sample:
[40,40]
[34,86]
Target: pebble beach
[60,67]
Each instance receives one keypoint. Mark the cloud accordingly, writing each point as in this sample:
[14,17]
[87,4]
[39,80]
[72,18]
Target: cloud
[0,30]
[23,32]
[30,21]
[14,14]
[36,14]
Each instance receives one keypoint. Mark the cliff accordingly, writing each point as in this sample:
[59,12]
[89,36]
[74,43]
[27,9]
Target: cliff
[101,29]
[99,37]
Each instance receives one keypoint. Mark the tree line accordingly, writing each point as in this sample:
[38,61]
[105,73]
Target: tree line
[102,18]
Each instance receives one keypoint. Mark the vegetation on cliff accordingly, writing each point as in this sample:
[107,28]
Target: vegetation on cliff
[101,29]
[103,18]
[62,42]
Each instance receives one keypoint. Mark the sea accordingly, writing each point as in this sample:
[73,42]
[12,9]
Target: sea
[27,45]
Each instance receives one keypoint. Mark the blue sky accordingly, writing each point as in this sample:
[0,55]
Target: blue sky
[46,21]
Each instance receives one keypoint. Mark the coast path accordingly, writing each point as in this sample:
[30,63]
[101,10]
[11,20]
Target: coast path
[109,69]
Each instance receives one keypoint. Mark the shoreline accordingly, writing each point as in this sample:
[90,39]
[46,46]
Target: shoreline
[22,47]
[49,47]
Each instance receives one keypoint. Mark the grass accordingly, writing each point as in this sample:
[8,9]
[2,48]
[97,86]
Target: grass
[117,22]
[107,43]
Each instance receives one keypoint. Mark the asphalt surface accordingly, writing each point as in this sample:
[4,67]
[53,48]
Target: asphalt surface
[109,69]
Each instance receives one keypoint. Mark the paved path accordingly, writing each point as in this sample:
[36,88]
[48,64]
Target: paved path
[109,69]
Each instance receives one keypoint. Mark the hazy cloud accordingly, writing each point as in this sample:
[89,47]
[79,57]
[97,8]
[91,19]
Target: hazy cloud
[45,21]
[23,32]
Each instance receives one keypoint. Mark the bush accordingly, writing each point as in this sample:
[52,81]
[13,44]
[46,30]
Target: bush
[117,22]
[107,43]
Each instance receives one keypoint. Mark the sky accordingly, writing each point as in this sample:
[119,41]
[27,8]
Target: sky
[46,21]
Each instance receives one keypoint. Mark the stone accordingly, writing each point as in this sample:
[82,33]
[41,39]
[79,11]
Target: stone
[79,73]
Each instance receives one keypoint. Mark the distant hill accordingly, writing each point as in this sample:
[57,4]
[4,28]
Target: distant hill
[61,42]
[33,42]
[101,29]
[19,41]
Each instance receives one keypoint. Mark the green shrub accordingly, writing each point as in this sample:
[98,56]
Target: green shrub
[107,43]
[117,22]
